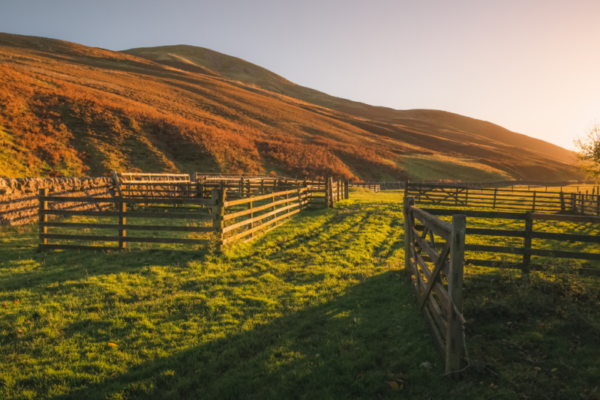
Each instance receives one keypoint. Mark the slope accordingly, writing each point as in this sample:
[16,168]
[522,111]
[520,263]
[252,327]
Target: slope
[68,109]
[241,70]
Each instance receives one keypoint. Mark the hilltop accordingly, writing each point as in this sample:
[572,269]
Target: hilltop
[74,110]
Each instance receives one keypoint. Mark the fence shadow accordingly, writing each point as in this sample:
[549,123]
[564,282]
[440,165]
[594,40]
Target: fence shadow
[350,346]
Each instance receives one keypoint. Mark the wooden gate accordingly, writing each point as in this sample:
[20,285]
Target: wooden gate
[439,286]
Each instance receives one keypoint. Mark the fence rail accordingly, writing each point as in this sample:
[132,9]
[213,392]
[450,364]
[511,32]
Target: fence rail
[495,198]
[232,215]
[527,234]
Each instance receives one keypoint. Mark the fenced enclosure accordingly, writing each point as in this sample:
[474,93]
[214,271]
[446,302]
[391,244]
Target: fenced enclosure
[527,234]
[218,212]
[322,193]
[437,252]
[376,188]
[198,213]
[494,198]
[441,303]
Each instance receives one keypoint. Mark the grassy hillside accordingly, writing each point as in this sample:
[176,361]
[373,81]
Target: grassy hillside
[319,308]
[241,70]
[67,109]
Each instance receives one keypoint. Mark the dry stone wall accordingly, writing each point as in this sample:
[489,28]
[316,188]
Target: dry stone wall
[18,197]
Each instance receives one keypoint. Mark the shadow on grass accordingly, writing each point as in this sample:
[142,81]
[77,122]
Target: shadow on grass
[350,347]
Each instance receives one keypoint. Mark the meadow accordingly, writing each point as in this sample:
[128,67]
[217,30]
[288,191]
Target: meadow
[318,308]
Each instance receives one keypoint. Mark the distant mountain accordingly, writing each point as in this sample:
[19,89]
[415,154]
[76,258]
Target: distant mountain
[68,109]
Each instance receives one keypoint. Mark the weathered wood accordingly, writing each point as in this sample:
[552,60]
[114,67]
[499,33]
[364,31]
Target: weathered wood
[495,232]
[43,217]
[168,228]
[478,214]
[408,223]
[434,275]
[441,228]
[257,198]
[257,228]
[260,217]
[98,238]
[220,196]
[527,242]
[122,223]
[566,218]
[454,333]
[76,247]
[532,267]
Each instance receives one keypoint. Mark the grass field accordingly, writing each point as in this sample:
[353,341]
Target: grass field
[439,166]
[316,309]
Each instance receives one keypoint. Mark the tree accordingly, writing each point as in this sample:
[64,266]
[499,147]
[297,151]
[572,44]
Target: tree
[588,152]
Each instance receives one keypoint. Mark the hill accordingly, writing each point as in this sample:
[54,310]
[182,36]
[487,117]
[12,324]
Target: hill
[68,109]
[240,70]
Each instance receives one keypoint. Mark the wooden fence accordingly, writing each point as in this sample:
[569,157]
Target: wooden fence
[495,198]
[229,219]
[441,304]
[323,193]
[528,233]
[201,212]
[371,186]
[435,248]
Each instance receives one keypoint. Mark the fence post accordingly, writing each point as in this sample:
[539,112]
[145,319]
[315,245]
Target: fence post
[454,328]
[122,223]
[43,218]
[527,244]
[347,188]
[251,207]
[329,192]
[562,201]
[406,188]
[408,238]
[219,211]
[533,205]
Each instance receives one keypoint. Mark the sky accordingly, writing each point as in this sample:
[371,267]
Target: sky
[531,66]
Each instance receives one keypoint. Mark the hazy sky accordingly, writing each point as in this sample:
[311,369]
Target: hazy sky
[530,66]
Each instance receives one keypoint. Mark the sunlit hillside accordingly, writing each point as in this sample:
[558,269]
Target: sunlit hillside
[68,109]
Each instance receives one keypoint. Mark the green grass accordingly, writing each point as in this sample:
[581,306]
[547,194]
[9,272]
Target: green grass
[317,309]
[426,167]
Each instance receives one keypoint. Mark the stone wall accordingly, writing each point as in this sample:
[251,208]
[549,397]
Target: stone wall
[18,197]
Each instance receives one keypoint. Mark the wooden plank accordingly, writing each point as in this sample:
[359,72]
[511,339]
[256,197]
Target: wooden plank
[566,218]
[76,247]
[257,228]
[122,222]
[439,227]
[434,275]
[97,238]
[256,209]
[495,232]
[43,217]
[440,291]
[566,237]
[532,267]
[533,252]
[257,198]
[454,333]
[408,233]
[260,217]
[80,199]
[478,214]
[75,225]
[439,342]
